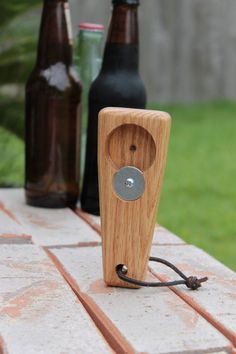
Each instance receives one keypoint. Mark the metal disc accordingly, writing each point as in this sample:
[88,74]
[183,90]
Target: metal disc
[129,183]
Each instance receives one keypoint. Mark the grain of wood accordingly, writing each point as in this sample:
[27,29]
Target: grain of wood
[136,138]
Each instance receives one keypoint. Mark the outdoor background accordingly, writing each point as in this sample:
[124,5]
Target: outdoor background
[188,63]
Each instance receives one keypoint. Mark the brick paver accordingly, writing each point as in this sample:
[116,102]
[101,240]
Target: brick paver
[163,236]
[216,300]
[48,227]
[10,228]
[151,320]
[38,311]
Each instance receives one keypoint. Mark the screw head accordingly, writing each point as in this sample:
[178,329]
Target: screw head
[129,183]
[124,269]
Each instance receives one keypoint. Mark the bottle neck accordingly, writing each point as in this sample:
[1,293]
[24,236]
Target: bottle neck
[55,39]
[88,56]
[121,50]
[89,44]
[124,25]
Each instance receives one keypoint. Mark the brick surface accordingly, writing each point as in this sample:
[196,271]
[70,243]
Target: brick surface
[163,236]
[13,238]
[92,220]
[151,320]
[11,231]
[217,298]
[48,227]
[38,311]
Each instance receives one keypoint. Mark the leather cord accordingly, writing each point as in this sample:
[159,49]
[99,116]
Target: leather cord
[191,282]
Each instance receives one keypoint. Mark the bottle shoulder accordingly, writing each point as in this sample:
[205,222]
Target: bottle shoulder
[117,86]
[117,78]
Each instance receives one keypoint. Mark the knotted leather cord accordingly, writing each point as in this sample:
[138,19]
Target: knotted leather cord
[191,282]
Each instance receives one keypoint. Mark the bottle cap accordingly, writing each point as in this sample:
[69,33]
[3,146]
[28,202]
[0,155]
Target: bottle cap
[91,27]
[126,2]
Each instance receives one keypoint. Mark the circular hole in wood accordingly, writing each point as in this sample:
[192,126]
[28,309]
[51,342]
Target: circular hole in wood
[131,145]
[133,148]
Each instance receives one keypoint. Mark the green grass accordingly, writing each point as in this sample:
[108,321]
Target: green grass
[12,159]
[199,195]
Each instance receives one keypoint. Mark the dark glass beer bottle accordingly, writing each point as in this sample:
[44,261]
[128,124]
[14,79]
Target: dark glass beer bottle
[53,94]
[117,85]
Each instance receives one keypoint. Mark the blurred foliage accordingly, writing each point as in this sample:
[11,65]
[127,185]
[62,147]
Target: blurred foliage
[18,39]
[12,115]
[12,8]
[19,26]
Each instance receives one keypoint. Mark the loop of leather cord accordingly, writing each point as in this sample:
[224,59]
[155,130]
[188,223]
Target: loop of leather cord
[191,282]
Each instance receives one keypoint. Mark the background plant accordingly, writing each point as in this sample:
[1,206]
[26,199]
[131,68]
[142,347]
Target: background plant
[19,21]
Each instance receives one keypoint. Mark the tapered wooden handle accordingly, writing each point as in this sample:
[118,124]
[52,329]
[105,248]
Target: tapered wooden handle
[132,154]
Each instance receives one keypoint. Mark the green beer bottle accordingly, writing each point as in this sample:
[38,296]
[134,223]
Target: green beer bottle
[88,57]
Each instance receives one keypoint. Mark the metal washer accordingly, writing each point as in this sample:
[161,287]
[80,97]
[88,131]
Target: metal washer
[129,183]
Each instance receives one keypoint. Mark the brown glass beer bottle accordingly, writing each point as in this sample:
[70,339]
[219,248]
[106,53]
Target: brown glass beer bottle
[53,94]
[117,85]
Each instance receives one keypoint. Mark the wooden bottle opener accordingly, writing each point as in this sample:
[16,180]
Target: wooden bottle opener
[132,154]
